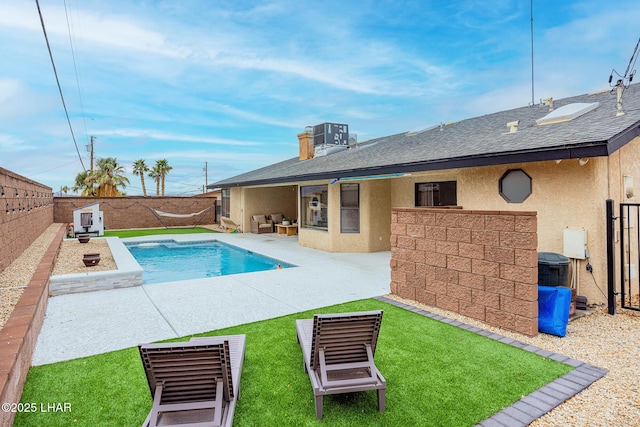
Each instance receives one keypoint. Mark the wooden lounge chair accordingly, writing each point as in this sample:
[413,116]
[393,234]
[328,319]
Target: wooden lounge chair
[194,383]
[338,352]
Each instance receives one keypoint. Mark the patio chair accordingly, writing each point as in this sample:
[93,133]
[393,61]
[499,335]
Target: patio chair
[260,224]
[195,382]
[276,218]
[338,352]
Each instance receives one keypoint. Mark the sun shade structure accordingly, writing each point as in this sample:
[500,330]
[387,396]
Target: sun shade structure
[338,352]
[194,383]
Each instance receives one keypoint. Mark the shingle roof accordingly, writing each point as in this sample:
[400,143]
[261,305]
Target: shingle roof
[478,141]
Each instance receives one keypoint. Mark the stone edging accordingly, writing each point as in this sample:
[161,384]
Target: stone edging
[541,401]
[19,335]
[128,273]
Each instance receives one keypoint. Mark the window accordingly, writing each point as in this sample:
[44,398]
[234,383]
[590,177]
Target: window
[436,193]
[313,206]
[515,186]
[349,208]
[226,203]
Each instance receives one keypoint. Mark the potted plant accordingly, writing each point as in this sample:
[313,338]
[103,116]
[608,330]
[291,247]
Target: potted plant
[91,260]
[286,220]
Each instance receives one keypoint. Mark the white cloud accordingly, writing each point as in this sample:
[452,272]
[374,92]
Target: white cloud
[171,137]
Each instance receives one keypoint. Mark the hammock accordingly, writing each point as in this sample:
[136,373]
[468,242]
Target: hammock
[172,215]
[158,214]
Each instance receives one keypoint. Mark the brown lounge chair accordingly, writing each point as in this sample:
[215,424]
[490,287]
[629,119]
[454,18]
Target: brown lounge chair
[338,352]
[194,383]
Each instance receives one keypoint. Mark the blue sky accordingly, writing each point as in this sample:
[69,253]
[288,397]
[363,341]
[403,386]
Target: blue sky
[231,83]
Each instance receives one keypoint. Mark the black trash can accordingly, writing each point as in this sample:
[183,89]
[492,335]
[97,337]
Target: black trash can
[553,269]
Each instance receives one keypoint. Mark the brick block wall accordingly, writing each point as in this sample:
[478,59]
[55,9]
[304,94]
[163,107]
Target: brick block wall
[133,211]
[26,211]
[481,264]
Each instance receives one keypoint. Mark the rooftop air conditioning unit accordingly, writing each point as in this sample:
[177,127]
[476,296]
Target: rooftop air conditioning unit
[329,138]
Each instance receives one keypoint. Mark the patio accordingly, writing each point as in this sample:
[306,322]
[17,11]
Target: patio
[129,316]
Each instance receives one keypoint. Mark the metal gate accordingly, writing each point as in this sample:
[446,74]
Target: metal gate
[629,229]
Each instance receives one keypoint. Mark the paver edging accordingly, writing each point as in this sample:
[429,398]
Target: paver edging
[19,335]
[539,402]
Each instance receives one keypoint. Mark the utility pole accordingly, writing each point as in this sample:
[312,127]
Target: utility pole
[90,150]
[206,175]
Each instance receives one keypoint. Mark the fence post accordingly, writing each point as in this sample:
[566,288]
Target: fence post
[611,284]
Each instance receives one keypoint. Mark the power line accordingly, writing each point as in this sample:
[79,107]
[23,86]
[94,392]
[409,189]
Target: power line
[55,72]
[75,67]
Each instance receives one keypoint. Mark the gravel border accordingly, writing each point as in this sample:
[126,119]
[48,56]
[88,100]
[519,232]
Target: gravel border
[15,278]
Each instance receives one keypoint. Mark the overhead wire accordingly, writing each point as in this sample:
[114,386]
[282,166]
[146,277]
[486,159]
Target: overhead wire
[55,72]
[75,67]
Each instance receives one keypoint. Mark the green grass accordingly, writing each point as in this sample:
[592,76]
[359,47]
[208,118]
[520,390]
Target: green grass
[155,231]
[437,375]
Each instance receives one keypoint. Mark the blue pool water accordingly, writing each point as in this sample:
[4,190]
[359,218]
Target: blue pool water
[168,261]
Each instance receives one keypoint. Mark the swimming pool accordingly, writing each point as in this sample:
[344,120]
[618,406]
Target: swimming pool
[169,261]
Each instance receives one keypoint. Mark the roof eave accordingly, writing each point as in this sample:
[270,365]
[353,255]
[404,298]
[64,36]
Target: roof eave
[591,149]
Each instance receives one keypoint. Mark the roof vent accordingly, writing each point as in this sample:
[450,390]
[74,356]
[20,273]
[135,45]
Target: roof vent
[513,126]
[549,102]
[567,112]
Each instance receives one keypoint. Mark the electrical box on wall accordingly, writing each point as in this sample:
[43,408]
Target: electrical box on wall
[575,242]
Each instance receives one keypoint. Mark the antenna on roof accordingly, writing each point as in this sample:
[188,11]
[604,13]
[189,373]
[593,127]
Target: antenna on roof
[532,84]
[624,81]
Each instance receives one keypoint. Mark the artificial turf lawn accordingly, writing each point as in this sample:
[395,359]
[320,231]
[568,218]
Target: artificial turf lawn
[437,375]
[155,231]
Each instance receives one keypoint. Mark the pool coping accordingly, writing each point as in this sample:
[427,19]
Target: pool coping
[277,263]
[129,272]
[539,402]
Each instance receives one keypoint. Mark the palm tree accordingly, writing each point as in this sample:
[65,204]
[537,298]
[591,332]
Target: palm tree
[163,169]
[83,185]
[108,177]
[155,175]
[140,168]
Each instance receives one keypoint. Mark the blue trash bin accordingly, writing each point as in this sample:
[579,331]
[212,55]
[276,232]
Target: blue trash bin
[553,310]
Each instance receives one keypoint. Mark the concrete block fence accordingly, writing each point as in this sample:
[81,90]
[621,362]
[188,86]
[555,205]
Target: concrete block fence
[481,264]
[26,211]
[134,211]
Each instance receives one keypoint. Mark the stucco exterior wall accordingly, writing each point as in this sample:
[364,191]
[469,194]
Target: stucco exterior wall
[564,195]
[626,163]
[375,219]
[377,212]
[247,201]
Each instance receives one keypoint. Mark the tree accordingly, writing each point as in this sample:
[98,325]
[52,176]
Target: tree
[83,185]
[155,175]
[108,176]
[163,170]
[140,168]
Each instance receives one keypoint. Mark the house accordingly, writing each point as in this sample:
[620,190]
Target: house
[562,159]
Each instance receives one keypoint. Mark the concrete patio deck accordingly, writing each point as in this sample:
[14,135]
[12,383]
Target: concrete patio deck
[89,323]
